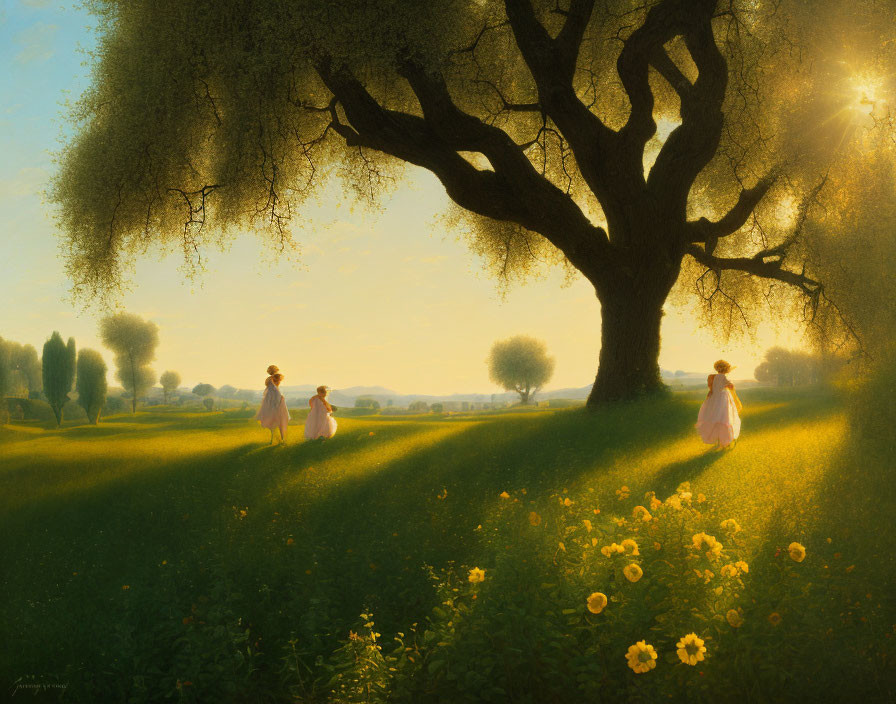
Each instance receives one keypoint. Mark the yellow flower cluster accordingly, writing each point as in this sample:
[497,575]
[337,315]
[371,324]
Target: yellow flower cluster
[534,518]
[797,552]
[655,503]
[612,549]
[623,493]
[597,602]
[641,514]
[504,495]
[641,657]
[707,543]
[476,575]
[691,649]
[587,525]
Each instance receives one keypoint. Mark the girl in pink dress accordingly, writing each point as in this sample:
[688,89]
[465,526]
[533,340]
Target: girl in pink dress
[273,412]
[320,424]
[719,421]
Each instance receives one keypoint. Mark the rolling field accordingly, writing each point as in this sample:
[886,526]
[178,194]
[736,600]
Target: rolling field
[176,556]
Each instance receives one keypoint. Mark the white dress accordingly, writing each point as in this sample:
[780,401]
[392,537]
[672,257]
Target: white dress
[718,420]
[319,424]
[273,412]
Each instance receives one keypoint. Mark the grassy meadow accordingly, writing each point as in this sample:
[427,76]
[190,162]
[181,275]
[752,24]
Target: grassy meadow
[175,556]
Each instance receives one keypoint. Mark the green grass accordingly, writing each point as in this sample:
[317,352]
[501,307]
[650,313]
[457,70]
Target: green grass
[152,502]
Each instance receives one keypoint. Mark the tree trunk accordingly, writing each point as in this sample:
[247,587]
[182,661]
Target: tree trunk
[57,411]
[630,347]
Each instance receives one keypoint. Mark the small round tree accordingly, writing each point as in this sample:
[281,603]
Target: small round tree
[58,371]
[169,381]
[520,364]
[134,342]
[204,391]
[91,383]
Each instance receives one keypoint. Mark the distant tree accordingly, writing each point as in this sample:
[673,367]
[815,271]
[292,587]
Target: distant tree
[437,408]
[169,381]
[389,403]
[209,403]
[91,383]
[4,369]
[783,367]
[227,391]
[134,342]
[367,402]
[58,372]
[465,406]
[203,390]
[419,407]
[247,394]
[520,364]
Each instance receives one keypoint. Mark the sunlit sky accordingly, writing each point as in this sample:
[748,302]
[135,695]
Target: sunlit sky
[390,299]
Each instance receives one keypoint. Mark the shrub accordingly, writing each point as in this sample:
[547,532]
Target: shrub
[209,403]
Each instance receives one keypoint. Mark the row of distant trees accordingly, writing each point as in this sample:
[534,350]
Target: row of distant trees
[783,367]
[62,369]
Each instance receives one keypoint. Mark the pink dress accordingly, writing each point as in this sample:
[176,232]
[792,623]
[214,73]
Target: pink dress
[319,424]
[273,412]
[718,420]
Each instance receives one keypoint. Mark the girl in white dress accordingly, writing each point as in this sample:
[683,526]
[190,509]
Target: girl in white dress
[719,421]
[273,412]
[320,424]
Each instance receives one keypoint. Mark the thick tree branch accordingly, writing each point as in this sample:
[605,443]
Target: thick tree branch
[513,192]
[709,232]
[552,63]
[691,146]
[766,264]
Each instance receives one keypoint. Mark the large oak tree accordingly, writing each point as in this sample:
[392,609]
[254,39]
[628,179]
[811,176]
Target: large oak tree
[635,142]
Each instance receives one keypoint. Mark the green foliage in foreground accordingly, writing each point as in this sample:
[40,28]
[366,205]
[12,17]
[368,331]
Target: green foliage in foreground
[173,555]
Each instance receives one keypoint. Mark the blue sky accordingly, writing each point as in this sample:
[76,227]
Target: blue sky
[389,298]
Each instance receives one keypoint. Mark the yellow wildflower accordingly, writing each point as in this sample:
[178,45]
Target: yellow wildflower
[797,552]
[734,618]
[713,547]
[290,541]
[561,546]
[534,518]
[641,657]
[674,502]
[612,549]
[630,546]
[567,501]
[742,566]
[597,602]
[476,575]
[850,568]
[685,496]
[633,572]
[444,494]
[774,618]
[701,498]
[641,513]
[731,525]
[622,493]
[594,542]
[587,525]
[657,546]
[718,591]
[691,649]
[619,521]
[684,486]
[125,587]
[655,503]
[504,495]
[729,571]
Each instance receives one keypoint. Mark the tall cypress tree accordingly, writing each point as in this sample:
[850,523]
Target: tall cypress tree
[58,370]
[91,383]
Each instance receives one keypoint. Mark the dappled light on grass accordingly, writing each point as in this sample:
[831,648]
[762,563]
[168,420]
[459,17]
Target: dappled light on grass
[237,547]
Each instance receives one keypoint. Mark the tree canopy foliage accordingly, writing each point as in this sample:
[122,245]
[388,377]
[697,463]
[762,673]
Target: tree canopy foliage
[58,372]
[134,342]
[91,383]
[169,381]
[522,364]
[641,144]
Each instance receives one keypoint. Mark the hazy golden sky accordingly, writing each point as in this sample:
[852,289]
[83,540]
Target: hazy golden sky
[389,299]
